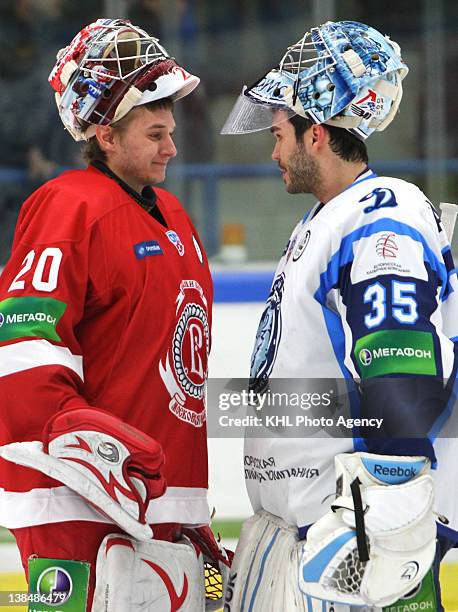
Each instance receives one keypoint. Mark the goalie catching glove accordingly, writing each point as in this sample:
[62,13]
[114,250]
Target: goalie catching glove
[114,466]
[379,538]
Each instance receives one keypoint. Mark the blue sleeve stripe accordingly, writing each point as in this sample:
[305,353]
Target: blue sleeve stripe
[344,254]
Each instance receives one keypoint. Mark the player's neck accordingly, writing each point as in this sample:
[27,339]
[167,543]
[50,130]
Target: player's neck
[337,179]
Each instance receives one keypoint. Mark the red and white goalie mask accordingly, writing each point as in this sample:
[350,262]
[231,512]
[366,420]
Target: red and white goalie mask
[108,68]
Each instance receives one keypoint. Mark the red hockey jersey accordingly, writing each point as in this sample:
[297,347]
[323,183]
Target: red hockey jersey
[101,305]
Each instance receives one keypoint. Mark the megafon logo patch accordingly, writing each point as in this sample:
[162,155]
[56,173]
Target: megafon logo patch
[396,352]
[147,249]
[30,316]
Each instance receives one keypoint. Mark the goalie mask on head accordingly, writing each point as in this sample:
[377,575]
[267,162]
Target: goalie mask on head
[344,74]
[108,68]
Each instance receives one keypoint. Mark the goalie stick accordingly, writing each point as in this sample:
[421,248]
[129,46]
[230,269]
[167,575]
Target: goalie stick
[448,218]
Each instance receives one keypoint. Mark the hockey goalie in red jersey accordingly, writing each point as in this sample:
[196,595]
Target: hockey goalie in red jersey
[105,330]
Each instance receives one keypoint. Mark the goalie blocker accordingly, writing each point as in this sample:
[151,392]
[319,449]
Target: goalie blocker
[114,466]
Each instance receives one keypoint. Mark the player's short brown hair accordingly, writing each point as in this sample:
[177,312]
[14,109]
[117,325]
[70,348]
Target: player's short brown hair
[342,142]
[91,150]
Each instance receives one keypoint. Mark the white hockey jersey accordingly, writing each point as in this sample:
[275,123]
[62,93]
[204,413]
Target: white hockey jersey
[366,294]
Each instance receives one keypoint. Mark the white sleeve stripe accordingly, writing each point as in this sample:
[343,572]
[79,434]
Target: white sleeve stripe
[35,353]
[186,505]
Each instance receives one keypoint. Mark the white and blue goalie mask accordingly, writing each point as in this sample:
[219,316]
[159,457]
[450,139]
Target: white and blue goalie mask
[342,73]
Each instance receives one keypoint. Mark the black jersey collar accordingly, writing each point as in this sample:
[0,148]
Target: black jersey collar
[146,199]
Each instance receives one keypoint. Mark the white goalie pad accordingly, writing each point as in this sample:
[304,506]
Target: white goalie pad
[263,576]
[114,466]
[264,572]
[153,576]
[374,546]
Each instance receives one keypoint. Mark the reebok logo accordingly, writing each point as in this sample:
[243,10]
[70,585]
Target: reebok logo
[382,470]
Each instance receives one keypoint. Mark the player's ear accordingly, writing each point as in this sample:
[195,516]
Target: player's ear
[105,138]
[318,134]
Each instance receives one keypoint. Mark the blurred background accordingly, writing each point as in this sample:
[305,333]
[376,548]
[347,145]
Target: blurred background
[228,184]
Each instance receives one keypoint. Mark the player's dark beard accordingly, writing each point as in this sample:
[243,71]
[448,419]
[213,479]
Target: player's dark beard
[303,172]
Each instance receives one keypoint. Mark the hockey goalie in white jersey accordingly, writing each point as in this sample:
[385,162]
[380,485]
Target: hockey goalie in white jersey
[365,292]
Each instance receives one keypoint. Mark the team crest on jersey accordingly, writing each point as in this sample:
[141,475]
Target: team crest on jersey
[267,338]
[176,241]
[381,197]
[303,242]
[184,369]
